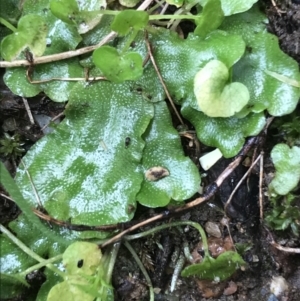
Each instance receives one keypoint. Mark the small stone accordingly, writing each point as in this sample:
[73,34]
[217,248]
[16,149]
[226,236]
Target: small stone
[255,258]
[213,229]
[278,286]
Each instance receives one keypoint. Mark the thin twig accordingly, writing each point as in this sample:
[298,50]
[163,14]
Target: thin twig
[280,247]
[160,78]
[67,79]
[142,268]
[75,227]
[32,185]
[261,169]
[6,197]
[68,54]
[279,11]
[285,249]
[28,110]
[239,183]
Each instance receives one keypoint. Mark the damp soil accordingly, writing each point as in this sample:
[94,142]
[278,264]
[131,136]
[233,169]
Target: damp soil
[159,253]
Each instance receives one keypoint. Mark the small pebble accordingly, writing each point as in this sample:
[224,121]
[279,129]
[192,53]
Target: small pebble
[213,229]
[278,286]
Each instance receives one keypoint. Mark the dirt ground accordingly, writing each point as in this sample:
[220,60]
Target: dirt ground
[158,252]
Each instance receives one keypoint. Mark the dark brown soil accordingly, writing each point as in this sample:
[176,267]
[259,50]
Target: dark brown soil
[157,252]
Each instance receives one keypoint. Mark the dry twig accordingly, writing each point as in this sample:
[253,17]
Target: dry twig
[261,169]
[28,110]
[240,182]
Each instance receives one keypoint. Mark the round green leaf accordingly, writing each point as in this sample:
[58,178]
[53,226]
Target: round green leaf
[287,165]
[215,98]
[129,19]
[118,68]
[82,257]
[31,33]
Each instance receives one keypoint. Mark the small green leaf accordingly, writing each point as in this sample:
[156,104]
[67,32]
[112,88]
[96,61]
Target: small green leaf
[287,165]
[231,7]
[31,33]
[163,150]
[82,257]
[129,19]
[205,23]
[118,68]
[218,269]
[215,97]
[84,14]
[65,10]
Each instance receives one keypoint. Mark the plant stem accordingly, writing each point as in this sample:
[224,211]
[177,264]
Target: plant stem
[142,268]
[105,271]
[28,251]
[172,17]
[112,261]
[129,40]
[8,25]
[40,265]
[175,224]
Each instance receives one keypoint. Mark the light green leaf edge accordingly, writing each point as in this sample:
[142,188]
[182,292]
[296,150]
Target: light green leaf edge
[287,165]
